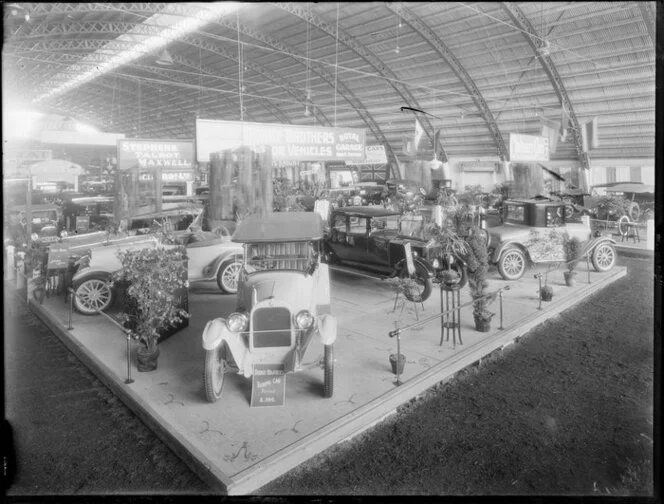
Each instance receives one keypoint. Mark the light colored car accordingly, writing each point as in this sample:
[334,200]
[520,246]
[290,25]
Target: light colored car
[283,300]
[210,256]
[535,230]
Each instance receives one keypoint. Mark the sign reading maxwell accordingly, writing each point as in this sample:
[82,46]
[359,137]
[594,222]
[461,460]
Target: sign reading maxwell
[169,155]
[288,142]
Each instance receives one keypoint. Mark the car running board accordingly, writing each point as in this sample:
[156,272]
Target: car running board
[353,271]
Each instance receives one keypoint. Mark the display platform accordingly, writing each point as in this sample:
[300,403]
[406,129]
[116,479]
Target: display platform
[237,448]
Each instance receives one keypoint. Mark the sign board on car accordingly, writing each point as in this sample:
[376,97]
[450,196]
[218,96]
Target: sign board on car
[268,385]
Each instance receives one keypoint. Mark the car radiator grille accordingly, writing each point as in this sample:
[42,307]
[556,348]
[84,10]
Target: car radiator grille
[271,327]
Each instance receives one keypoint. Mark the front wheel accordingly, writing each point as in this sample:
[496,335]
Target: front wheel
[512,264]
[328,380]
[603,257]
[93,294]
[418,289]
[215,368]
[228,274]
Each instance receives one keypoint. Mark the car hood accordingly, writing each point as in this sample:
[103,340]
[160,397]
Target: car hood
[292,287]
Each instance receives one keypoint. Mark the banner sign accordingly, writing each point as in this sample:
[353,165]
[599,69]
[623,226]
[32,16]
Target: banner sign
[528,148]
[374,154]
[268,385]
[289,142]
[169,155]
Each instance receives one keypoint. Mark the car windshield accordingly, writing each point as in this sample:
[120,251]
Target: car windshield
[516,213]
[387,223]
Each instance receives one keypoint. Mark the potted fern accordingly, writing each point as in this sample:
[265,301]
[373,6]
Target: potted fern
[572,248]
[154,279]
[477,263]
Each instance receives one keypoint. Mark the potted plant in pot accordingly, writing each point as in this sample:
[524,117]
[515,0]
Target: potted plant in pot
[152,277]
[546,291]
[477,263]
[572,248]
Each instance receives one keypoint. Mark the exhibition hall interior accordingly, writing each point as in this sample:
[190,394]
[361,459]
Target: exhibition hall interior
[282,240]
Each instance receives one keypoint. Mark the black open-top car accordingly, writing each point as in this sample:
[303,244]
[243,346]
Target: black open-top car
[373,239]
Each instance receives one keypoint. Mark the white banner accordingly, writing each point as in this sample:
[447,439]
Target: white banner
[528,148]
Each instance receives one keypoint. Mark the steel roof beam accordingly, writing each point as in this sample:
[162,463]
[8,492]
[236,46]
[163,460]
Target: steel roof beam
[536,43]
[649,16]
[325,76]
[372,59]
[448,56]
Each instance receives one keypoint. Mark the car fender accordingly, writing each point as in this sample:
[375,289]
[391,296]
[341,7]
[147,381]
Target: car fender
[81,274]
[327,328]
[216,332]
[598,241]
[512,244]
[216,264]
[416,261]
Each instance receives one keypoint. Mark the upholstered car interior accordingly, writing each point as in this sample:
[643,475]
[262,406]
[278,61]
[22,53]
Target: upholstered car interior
[285,255]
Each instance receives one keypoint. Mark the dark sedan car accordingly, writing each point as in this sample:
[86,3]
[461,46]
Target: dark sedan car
[372,239]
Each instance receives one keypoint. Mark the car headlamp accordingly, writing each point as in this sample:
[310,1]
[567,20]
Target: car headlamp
[415,253]
[435,263]
[237,322]
[34,237]
[304,319]
[64,234]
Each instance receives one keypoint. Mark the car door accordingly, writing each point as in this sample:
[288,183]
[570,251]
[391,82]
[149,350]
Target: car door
[337,238]
[357,240]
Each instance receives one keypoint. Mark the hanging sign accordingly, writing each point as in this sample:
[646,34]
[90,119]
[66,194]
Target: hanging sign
[169,155]
[289,142]
[528,148]
[268,385]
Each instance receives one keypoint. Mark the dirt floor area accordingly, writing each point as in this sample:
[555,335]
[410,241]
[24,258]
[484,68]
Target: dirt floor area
[567,410]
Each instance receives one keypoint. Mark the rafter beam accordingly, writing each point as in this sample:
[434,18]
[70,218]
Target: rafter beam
[448,56]
[649,16]
[536,43]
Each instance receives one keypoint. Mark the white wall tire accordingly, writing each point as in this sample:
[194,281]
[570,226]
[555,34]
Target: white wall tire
[227,275]
[93,293]
[215,369]
[603,257]
[512,264]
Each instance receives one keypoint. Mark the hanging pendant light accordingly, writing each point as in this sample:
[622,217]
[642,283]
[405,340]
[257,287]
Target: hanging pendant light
[164,59]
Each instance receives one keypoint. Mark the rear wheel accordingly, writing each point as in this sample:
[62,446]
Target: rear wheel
[623,225]
[93,294]
[215,368]
[603,257]
[328,380]
[512,264]
[228,274]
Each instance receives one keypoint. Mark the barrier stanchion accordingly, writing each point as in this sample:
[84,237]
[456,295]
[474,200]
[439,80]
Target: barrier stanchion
[129,380]
[539,292]
[71,307]
[588,266]
[397,333]
[500,295]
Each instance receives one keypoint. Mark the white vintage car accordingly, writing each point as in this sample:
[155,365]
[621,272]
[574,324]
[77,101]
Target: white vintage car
[210,255]
[283,300]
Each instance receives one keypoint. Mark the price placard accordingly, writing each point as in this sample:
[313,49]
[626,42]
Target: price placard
[268,385]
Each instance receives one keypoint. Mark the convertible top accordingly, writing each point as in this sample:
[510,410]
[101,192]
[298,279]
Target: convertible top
[280,227]
[366,211]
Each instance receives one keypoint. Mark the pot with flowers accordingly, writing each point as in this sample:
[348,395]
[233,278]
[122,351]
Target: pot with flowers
[573,251]
[477,263]
[156,283]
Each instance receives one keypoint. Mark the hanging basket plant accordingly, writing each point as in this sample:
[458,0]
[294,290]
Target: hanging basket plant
[152,276]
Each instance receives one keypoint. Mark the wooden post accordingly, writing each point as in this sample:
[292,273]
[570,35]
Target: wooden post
[220,202]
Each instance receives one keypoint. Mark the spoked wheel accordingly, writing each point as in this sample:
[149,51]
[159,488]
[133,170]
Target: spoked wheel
[603,257]
[418,289]
[634,211]
[328,379]
[215,368]
[623,225]
[93,294]
[512,264]
[228,274]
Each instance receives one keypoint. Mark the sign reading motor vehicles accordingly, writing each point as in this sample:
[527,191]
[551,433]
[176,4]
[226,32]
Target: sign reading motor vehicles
[289,142]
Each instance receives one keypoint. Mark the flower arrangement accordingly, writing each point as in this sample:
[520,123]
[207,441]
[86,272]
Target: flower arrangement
[153,275]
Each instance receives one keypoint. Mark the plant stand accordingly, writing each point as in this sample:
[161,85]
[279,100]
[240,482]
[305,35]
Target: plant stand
[451,318]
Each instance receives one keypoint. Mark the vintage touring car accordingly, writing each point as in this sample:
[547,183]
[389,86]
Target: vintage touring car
[373,239]
[283,301]
[534,231]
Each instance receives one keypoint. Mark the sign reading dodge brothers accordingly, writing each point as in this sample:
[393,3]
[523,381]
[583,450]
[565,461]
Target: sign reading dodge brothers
[288,142]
